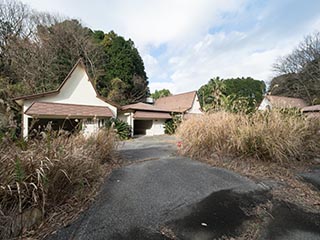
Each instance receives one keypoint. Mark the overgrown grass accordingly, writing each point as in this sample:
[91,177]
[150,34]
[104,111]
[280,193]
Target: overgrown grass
[268,136]
[45,173]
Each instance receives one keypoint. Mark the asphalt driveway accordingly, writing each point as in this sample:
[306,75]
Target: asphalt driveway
[159,195]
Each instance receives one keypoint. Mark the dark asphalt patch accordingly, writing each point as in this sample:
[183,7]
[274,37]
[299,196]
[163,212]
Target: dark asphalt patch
[312,177]
[220,214]
[291,222]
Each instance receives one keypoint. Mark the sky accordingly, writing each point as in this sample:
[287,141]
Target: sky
[185,43]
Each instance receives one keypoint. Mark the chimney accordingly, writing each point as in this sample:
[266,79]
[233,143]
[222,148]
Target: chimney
[150,100]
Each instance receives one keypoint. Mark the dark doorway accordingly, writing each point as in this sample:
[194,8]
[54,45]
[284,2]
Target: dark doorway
[39,125]
[140,126]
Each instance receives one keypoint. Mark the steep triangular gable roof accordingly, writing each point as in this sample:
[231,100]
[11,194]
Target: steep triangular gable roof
[177,103]
[80,63]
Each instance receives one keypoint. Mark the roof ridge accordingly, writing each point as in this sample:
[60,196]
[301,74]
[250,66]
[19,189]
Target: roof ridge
[285,97]
[173,95]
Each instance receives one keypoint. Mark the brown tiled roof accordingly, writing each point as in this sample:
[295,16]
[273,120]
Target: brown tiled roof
[314,108]
[67,110]
[151,115]
[286,102]
[176,103]
[143,106]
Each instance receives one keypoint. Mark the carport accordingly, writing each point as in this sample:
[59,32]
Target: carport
[141,126]
[149,123]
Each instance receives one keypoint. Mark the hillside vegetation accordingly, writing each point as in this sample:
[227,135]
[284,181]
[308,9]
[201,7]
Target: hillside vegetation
[39,49]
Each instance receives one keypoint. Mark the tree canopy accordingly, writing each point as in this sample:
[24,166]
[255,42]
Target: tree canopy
[299,72]
[37,50]
[234,94]
[123,63]
[161,93]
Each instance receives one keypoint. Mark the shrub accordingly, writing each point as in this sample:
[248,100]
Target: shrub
[122,128]
[43,173]
[264,135]
[171,125]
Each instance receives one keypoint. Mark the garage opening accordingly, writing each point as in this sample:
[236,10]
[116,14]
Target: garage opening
[141,126]
[38,125]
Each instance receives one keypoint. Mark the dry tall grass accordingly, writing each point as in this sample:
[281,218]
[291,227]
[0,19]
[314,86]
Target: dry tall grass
[271,136]
[45,173]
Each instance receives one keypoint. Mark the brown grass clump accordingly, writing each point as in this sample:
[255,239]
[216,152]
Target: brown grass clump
[271,136]
[42,174]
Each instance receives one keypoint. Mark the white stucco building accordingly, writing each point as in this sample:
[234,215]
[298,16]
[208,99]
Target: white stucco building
[77,106]
[149,119]
[74,105]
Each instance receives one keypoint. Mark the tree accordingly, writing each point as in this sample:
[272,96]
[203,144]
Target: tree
[235,94]
[37,51]
[62,44]
[299,72]
[122,61]
[161,93]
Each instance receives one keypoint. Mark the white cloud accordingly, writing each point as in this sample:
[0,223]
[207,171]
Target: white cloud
[225,55]
[151,65]
[162,85]
[148,22]
[195,53]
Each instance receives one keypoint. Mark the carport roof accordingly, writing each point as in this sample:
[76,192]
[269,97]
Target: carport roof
[144,106]
[151,115]
[67,110]
[177,103]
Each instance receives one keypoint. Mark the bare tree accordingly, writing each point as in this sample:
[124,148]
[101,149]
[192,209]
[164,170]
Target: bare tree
[140,89]
[301,68]
[38,49]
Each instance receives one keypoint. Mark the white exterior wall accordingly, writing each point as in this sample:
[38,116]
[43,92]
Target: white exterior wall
[157,128]
[90,128]
[25,126]
[196,107]
[265,104]
[128,118]
[77,90]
